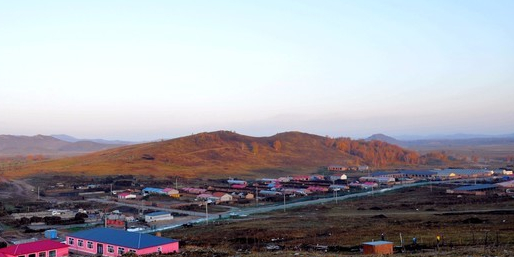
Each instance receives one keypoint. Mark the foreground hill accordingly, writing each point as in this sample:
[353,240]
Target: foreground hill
[226,153]
[47,146]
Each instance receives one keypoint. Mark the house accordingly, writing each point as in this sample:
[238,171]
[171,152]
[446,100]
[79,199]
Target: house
[43,248]
[378,247]
[223,197]
[152,191]
[171,192]
[238,186]
[419,174]
[269,193]
[301,178]
[380,180]
[115,242]
[479,189]
[395,174]
[126,195]
[237,182]
[336,168]
[284,179]
[338,177]
[158,216]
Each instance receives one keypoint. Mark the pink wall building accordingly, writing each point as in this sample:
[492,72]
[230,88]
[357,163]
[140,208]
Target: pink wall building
[43,248]
[114,242]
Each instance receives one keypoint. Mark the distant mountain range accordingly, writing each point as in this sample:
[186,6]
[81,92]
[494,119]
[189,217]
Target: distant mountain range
[463,144]
[71,139]
[450,136]
[48,146]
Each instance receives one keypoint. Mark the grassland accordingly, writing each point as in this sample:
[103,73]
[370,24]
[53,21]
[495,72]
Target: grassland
[470,226]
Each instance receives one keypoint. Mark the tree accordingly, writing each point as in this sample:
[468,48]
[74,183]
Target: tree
[255,148]
[277,145]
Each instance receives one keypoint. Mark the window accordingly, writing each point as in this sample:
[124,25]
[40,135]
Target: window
[51,253]
[42,254]
[32,255]
[80,243]
[71,241]
[121,250]
[159,249]
[110,248]
[132,251]
[89,244]
[21,255]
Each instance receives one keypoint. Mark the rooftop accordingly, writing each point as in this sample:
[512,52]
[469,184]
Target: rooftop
[122,238]
[157,213]
[38,246]
[377,243]
[475,187]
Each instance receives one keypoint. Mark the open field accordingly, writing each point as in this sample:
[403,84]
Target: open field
[469,225]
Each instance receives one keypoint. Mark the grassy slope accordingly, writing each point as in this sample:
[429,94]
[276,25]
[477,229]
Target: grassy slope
[218,153]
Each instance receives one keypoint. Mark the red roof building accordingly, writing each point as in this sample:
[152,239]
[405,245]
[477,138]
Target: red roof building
[43,248]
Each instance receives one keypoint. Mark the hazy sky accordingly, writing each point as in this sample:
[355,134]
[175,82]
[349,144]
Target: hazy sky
[143,70]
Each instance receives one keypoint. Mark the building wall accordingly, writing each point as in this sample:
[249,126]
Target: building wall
[158,218]
[378,249]
[167,248]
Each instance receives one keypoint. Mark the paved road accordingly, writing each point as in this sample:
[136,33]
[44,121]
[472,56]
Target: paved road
[138,206]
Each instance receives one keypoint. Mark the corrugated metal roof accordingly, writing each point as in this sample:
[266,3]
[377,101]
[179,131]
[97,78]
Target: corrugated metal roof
[153,189]
[377,243]
[32,247]
[475,187]
[462,171]
[122,238]
[157,213]
[419,172]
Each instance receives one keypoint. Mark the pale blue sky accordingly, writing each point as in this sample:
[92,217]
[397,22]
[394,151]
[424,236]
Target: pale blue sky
[143,70]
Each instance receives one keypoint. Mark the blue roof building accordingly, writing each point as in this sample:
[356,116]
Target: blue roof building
[153,190]
[114,242]
[480,187]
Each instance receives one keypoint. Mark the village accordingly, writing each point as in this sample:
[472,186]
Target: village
[117,215]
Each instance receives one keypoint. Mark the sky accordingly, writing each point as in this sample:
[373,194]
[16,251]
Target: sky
[145,70]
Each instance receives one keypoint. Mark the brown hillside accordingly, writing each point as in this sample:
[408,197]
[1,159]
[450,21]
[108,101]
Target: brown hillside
[225,153]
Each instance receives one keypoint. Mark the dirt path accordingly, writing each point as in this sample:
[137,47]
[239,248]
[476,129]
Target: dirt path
[19,188]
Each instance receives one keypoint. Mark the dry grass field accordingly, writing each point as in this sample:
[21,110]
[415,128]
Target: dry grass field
[469,226]
[220,154]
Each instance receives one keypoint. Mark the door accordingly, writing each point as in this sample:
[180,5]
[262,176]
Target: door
[99,248]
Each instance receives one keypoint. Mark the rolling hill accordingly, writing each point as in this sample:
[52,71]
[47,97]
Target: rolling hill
[225,153]
[46,145]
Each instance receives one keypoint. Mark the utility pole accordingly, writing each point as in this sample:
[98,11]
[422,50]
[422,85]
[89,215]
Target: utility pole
[38,193]
[256,196]
[206,213]
[176,183]
[284,201]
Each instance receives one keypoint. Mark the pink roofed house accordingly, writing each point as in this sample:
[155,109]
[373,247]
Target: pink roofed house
[126,195]
[43,248]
